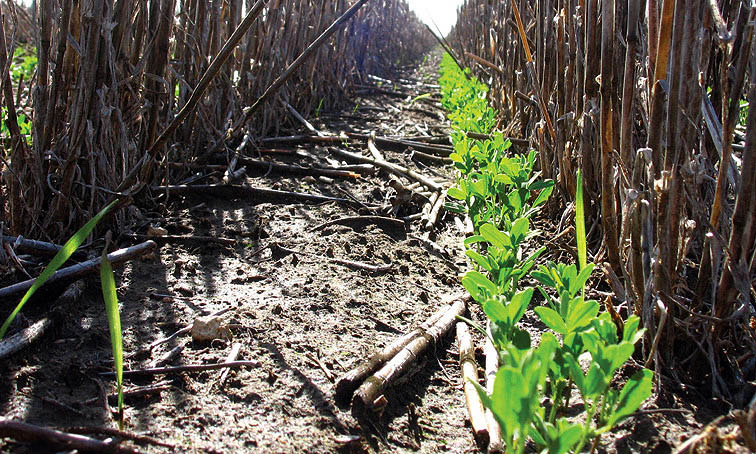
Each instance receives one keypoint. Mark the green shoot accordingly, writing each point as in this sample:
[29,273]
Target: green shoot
[580,222]
[419,97]
[114,323]
[60,258]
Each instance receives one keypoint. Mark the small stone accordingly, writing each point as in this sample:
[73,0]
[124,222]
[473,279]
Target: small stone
[156,231]
[206,329]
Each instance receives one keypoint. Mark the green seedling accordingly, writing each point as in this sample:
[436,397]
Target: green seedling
[108,292]
[114,324]
[57,261]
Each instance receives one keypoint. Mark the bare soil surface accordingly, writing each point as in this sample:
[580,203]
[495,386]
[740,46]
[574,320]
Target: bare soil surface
[297,309]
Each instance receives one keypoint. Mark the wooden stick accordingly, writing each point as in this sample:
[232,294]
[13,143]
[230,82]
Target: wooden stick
[495,442]
[30,433]
[470,376]
[372,389]
[301,119]
[259,195]
[35,247]
[184,239]
[25,337]
[363,220]
[435,210]
[396,169]
[347,263]
[179,369]
[120,434]
[350,381]
[90,266]
[442,150]
[299,170]
[232,355]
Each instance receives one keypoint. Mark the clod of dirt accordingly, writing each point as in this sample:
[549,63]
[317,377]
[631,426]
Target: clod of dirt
[156,231]
[205,329]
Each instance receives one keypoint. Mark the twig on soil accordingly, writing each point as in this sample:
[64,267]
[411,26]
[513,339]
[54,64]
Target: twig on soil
[420,156]
[168,357]
[23,338]
[184,239]
[300,170]
[179,369]
[389,166]
[321,366]
[90,266]
[347,263]
[433,215]
[25,432]
[141,439]
[301,119]
[232,356]
[351,380]
[441,150]
[259,195]
[469,378]
[35,247]
[495,442]
[371,391]
[141,391]
[383,221]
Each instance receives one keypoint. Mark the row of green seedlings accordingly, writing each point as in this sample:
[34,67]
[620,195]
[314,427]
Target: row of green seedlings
[500,192]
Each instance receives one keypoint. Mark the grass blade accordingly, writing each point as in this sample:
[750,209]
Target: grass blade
[60,258]
[114,324]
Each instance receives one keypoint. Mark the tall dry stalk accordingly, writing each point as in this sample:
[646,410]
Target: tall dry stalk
[117,78]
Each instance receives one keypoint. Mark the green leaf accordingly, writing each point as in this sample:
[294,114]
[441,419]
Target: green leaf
[456,193]
[568,437]
[478,285]
[632,395]
[552,319]
[582,278]
[595,382]
[494,236]
[631,333]
[482,261]
[495,311]
[543,196]
[57,261]
[520,228]
[114,323]
[519,304]
[581,314]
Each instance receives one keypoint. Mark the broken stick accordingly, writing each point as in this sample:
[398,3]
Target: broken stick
[25,337]
[396,169]
[22,431]
[469,379]
[179,369]
[90,266]
[371,392]
[350,381]
[259,195]
[495,442]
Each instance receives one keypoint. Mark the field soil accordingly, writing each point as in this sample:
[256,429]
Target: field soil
[297,305]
